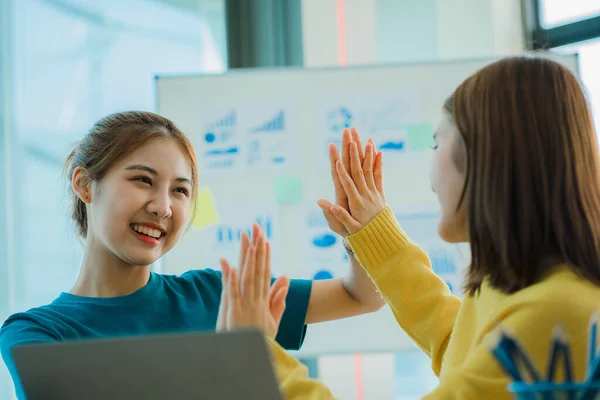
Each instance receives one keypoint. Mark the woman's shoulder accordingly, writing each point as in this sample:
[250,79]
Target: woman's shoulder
[35,323]
[201,282]
[564,292]
[205,276]
[563,284]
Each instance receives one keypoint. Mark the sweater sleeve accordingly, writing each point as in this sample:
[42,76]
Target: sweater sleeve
[421,302]
[292,376]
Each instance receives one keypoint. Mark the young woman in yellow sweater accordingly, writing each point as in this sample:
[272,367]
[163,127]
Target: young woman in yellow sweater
[517,175]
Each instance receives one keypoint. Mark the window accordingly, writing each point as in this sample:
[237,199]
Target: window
[589,65]
[573,27]
[559,12]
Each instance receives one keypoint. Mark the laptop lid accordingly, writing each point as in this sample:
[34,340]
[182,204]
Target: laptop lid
[195,366]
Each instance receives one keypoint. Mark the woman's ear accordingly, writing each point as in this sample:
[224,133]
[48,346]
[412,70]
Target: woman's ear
[80,183]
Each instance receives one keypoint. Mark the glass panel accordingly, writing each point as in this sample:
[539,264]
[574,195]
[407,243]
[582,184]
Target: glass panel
[404,375]
[560,12]
[589,65]
[76,61]
[414,376]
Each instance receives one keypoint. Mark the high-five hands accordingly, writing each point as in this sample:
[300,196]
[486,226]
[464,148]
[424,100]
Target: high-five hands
[358,181]
[248,300]
[341,199]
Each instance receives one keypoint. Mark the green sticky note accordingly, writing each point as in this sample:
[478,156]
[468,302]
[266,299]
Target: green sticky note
[206,212]
[288,190]
[420,136]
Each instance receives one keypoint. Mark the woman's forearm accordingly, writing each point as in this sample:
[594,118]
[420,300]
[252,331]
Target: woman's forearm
[361,288]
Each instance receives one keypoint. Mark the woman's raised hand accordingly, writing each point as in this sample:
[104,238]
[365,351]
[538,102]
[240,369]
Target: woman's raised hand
[248,300]
[358,185]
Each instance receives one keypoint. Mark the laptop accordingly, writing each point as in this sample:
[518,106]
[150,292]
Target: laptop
[218,366]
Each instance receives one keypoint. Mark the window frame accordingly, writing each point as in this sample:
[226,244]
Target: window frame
[539,37]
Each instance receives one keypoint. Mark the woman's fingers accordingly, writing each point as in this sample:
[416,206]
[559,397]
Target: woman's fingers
[256,231]
[261,250]
[244,242]
[325,205]
[249,276]
[356,139]
[346,140]
[225,273]
[368,166]
[225,268]
[378,172]
[267,276]
[277,300]
[340,196]
[347,183]
[234,296]
[332,221]
[281,282]
[372,142]
[357,172]
[351,225]
[223,305]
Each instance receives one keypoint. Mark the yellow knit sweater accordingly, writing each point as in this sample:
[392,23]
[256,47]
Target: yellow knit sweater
[456,334]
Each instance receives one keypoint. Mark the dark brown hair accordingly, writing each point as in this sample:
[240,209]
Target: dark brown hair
[530,154]
[112,139]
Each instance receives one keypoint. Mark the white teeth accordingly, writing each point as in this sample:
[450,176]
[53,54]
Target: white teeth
[155,233]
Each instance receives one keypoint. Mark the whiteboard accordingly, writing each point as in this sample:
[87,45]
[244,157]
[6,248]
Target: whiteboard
[261,139]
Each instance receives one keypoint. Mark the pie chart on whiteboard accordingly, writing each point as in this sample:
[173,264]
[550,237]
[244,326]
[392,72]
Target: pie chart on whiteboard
[339,119]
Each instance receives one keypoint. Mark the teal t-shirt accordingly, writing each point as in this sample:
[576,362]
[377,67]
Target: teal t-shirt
[168,303]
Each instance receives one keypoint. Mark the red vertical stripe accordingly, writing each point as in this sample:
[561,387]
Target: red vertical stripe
[358,377]
[341,24]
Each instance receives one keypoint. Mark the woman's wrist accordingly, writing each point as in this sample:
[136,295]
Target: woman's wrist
[347,247]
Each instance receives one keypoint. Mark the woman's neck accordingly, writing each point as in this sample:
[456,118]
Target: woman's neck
[103,274]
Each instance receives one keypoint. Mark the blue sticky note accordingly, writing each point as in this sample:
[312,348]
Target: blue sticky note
[288,190]
[322,275]
[420,136]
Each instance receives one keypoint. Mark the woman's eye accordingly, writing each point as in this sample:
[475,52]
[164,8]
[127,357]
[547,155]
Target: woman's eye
[182,190]
[144,179]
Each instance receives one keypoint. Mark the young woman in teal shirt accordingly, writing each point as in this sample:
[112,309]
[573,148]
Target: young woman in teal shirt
[134,180]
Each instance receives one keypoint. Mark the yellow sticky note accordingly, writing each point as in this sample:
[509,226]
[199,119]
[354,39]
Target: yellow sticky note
[206,212]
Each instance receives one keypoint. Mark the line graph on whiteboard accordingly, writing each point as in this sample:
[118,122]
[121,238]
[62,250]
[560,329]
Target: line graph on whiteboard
[267,140]
[247,137]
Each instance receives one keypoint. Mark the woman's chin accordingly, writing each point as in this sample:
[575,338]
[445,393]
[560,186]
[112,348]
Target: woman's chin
[449,232]
[140,260]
